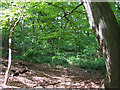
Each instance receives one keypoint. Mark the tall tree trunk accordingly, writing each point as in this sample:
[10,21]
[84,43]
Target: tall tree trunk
[23,44]
[10,49]
[59,38]
[33,26]
[107,31]
[1,45]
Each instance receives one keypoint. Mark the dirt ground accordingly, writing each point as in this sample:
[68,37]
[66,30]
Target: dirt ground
[31,75]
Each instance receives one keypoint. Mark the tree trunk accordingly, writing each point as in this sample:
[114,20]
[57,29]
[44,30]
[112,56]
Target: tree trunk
[59,44]
[1,45]
[23,45]
[10,49]
[33,39]
[22,35]
[107,31]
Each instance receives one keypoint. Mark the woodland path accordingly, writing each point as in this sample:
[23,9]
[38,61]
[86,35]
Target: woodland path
[31,75]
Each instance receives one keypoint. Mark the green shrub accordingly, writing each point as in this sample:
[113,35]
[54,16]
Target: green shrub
[91,63]
[59,60]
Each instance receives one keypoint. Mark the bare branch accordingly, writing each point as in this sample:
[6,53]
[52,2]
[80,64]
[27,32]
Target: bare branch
[73,10]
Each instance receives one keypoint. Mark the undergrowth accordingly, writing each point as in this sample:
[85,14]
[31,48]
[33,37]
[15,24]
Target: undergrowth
[63,59]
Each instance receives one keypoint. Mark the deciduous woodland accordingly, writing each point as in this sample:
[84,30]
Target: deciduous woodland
[60,44]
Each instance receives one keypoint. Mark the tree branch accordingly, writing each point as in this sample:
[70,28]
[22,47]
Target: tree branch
[67,13]
[73,10]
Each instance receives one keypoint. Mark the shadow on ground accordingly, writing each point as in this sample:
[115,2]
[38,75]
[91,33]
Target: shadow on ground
[31,75]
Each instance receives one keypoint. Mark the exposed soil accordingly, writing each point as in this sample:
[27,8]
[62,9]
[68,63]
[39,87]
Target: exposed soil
[32,75]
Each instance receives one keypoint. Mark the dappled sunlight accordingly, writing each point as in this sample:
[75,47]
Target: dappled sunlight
[25,81]
[43,76]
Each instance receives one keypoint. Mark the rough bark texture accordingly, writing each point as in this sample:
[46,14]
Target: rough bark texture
[107,32]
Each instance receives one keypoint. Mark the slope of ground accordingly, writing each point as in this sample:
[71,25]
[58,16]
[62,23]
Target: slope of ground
[31,75]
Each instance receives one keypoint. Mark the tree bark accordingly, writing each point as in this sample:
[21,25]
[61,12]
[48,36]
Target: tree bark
[23,44]
[107,31]
[10,49]
[22,35]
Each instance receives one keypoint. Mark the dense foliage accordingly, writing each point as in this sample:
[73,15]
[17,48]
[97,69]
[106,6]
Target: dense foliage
[54,33]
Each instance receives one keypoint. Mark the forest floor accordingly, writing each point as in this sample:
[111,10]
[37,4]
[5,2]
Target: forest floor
[32,75]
